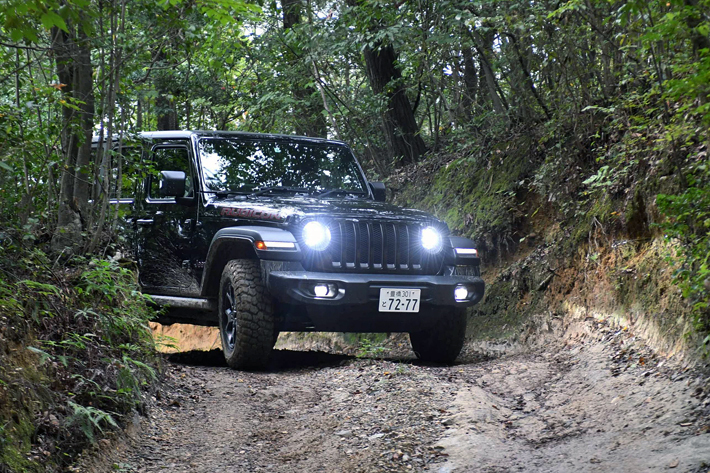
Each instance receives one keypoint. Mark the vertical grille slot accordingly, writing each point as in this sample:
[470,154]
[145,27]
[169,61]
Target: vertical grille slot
[349,243]
[402,244]
[376,246]
[389,246]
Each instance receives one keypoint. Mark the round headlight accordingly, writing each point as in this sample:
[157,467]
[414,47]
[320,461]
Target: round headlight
[432,240]
[316,236]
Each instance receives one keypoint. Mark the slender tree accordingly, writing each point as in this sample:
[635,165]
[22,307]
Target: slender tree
[72,54]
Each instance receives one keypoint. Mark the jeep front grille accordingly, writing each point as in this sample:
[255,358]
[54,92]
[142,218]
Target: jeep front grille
[375,246]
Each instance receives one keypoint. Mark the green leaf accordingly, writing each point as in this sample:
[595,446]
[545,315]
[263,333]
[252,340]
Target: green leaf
[51,19]
[16,35]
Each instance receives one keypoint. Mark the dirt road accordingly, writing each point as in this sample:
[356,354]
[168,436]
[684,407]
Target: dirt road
[601,403]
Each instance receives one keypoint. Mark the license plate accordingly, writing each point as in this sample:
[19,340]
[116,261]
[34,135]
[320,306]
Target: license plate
[394,299]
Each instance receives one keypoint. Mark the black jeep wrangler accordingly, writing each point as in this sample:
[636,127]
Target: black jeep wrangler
[261,233]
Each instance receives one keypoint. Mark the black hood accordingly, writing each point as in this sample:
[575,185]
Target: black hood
[293,209]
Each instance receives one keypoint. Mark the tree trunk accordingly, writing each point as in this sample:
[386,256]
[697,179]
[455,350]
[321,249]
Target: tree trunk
[310,120]
[165,107]
[470,82]
[67,236]
[84,92]
[483,49]
[403,140]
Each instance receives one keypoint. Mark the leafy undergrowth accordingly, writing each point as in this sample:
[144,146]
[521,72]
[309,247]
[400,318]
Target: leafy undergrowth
[76,355]
[612,219]
[688,223]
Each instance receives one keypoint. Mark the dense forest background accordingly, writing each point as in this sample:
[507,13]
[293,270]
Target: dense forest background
[566,137]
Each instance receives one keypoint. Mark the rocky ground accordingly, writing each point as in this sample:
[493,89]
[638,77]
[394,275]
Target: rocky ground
[601,402]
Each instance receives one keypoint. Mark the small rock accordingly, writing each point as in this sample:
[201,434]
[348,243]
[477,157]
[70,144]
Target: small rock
[376,436]
[345,433]
[674,464]
[449,421]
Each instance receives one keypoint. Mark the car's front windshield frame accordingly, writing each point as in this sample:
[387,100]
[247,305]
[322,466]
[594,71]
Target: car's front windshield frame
[291,171]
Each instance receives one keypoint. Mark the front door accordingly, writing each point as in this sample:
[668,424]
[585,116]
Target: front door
[165,225]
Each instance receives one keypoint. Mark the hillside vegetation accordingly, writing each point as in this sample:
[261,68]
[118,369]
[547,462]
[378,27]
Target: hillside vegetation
[76,356]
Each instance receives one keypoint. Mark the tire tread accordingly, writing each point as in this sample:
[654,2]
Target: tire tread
[255,316]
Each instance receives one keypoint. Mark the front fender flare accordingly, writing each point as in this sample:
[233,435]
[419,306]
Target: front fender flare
[240,243]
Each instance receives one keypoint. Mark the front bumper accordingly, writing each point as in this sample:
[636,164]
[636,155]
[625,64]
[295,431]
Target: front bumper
[296,287]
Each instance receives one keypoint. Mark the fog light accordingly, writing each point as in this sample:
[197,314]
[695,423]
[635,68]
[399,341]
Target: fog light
[320,290]
[325,290]
[460,293]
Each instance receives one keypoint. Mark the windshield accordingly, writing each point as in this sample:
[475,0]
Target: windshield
[243,165]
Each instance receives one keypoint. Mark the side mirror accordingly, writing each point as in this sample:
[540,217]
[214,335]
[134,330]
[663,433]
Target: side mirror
[378,191]
[172,184]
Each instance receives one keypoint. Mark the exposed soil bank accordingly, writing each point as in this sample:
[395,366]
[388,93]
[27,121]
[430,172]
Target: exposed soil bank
[598,400]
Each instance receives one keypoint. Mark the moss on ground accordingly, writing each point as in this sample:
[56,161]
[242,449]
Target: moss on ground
[478,196]
[16,446]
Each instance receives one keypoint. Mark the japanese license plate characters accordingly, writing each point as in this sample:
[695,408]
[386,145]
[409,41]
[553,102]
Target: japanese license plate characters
[394,299]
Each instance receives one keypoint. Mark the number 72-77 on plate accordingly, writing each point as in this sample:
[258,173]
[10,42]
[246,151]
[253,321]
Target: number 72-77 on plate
[393,299]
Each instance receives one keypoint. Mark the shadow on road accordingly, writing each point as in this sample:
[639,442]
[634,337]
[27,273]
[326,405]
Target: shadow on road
[282,360]
[198,358]
[293,360]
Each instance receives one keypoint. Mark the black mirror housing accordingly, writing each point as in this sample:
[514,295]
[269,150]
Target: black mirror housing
[172,184]
[379,191]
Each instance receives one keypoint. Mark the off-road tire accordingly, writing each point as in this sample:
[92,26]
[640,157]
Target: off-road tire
[443,342]
[246,318]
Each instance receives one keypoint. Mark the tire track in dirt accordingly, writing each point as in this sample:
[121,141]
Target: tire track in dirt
[603,404]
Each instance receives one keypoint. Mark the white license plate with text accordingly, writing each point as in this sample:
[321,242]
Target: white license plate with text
[394,299]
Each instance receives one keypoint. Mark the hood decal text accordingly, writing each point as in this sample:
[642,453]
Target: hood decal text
[251,213]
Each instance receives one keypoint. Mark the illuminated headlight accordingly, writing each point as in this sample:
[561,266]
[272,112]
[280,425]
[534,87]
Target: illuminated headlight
[316,236]
[460,293]
[432,240]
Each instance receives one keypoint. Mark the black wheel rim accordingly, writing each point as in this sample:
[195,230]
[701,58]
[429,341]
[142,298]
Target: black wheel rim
[229,320]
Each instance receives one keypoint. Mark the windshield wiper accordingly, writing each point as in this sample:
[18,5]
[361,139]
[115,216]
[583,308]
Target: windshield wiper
[222,194]
[343,192]
[281,190]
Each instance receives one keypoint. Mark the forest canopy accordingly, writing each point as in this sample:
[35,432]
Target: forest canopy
[610,90]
